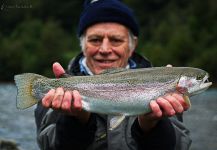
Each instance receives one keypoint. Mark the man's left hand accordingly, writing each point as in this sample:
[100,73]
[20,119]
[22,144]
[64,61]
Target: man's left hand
[165,106]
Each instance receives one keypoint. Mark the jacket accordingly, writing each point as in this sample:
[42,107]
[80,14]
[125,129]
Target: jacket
[56,131]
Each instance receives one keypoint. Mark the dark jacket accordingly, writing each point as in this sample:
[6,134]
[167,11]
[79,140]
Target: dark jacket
[56,131]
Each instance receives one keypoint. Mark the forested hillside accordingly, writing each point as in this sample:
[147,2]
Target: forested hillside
[35,33]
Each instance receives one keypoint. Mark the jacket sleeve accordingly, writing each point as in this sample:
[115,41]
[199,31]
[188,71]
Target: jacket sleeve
[57,131]
[161,137]
[183,140]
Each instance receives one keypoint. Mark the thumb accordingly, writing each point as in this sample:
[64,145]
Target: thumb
[58,69]
[169,65]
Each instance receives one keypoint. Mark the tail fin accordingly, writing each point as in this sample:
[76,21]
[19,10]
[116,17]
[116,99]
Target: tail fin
[24,89]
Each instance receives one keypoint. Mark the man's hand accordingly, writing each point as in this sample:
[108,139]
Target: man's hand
[165,106]
[68,102]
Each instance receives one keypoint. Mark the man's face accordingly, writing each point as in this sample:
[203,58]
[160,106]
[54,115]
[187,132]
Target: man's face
[106,46]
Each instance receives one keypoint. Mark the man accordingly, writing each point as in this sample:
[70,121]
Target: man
[108,35]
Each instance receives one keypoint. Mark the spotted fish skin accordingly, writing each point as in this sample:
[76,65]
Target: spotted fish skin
[116,91]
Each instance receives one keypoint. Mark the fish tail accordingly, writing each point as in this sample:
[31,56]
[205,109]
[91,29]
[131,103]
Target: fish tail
[24,90]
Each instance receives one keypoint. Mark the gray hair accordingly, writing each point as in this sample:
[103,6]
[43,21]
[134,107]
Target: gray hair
[132,43]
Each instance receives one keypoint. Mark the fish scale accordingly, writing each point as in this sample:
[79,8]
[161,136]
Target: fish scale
[120,91]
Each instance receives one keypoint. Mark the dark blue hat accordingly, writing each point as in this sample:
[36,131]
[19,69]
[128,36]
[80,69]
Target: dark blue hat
[96,11]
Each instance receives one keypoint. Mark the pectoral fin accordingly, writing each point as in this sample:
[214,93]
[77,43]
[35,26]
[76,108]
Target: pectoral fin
[116,121]
[187,100]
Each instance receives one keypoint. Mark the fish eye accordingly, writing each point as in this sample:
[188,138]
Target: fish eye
[200,77]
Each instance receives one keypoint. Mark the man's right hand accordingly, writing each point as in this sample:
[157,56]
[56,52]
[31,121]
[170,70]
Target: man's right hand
[68,102]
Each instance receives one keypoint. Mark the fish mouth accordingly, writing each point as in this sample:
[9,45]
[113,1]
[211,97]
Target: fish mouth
[205,84]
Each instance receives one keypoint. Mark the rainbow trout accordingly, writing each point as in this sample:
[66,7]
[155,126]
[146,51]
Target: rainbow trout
[123,92]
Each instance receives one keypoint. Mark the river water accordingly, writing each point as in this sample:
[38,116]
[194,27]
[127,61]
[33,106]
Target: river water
[15,124]
[19,125]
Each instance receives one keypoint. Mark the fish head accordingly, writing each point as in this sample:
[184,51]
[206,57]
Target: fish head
[193,81]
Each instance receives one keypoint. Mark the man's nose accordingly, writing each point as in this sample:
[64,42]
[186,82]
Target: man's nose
[105,46]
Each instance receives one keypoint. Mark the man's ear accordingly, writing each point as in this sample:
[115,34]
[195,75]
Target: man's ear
[135,42]
[84,53]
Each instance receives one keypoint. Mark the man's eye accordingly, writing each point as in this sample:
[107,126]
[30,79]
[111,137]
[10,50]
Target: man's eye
[116,42]
[95,41]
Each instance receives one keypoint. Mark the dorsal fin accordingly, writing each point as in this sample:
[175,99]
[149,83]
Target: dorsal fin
[114,70]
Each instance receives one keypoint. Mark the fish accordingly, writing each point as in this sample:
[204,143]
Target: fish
[117,91]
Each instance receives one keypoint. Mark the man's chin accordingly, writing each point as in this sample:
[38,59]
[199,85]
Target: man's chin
[104,66]
[102,69]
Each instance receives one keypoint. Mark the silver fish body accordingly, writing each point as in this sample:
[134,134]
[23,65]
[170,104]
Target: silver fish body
[119,91]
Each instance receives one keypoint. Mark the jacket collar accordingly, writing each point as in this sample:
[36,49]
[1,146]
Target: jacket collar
[76,67]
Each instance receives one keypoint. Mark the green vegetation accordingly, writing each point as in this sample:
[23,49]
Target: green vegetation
[182,33]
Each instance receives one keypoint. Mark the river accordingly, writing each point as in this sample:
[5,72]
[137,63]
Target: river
[19,125]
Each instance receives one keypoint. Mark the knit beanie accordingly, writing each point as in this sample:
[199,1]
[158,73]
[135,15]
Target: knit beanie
[96,11]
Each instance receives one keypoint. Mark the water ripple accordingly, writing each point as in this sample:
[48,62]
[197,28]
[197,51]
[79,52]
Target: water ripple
[19,125]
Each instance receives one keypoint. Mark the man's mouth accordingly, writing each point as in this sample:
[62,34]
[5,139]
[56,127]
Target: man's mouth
[105,63]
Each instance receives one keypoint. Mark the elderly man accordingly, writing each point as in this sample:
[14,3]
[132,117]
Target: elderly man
[108,35]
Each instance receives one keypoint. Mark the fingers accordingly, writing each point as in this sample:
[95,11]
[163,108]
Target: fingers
[58,69]
[165,106]
[57,99]
[77,100]
[176,105]
[181,100]
[67,101]
[47,99]
[156,111]
[169,65]
[168,105]
[53,98]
